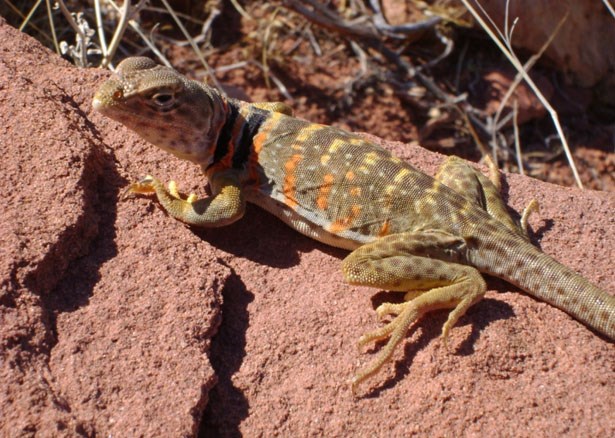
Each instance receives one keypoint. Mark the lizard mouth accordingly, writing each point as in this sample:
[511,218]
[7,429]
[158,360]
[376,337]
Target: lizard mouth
[107,96]
[97,103]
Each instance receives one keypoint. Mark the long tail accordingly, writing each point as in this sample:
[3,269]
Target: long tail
[525,266]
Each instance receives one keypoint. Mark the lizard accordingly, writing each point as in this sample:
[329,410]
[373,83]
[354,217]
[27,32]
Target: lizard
[431,238]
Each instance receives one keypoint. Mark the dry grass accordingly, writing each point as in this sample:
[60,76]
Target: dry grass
[96,33]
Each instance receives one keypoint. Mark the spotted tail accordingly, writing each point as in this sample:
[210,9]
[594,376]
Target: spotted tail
[525,266]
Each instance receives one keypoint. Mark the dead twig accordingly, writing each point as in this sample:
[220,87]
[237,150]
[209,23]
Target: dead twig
[609,7]
[517,139]
[400,31]
[519,67]
[195,48]
[323,17]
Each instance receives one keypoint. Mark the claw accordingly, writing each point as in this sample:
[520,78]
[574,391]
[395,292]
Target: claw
[395,331]
[192,198]
[172,187]
[354,384]
[145,186]
[173,191]
[377,334]
[127,192]
[494,173]
[147,179]
[141,189]
[386,309]
[445,342]
[532,207]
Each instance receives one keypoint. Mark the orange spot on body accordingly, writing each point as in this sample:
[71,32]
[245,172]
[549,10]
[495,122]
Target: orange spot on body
[263,134]
[258,141]
[341,224]
[227,159]
[337,226]
[349,175]
[355,191]
[290,180]
[385,228]
[322,201]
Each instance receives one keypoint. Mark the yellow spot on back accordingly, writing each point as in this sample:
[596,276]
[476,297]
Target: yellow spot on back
[324,159]
[306,133]
[335,145]
[401,175]
[371,158]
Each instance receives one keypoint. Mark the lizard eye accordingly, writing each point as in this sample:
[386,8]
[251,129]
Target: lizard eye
[163,99]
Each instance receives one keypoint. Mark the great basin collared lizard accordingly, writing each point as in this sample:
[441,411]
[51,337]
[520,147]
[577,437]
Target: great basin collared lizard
[428,237]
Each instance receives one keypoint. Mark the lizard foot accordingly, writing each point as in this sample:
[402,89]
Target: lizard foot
[150,185]
[145,186]
[395,330]
[459,297]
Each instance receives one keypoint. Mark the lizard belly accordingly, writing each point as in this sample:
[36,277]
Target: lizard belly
[305,222]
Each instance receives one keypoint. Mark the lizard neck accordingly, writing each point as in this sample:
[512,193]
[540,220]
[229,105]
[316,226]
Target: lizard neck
[233,144]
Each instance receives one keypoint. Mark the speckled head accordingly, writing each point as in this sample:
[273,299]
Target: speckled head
[170,111]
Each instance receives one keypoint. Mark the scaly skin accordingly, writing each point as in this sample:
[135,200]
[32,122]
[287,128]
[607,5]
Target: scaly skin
[429,237]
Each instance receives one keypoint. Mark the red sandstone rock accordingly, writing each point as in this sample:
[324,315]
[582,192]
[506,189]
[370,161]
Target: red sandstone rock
[105,317]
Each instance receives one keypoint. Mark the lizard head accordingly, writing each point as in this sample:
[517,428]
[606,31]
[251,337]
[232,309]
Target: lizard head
[170,111]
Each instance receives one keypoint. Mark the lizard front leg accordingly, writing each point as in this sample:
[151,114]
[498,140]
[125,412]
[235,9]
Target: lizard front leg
[226,206]
[427,265]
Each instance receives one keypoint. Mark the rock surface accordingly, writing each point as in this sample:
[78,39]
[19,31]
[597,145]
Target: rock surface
[110,311]
[105,321]
[582,46]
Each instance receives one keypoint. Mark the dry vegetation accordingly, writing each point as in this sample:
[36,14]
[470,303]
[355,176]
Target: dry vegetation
[409,71]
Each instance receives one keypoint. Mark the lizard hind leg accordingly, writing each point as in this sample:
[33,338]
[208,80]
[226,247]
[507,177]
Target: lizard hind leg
[408,261]
[482,191]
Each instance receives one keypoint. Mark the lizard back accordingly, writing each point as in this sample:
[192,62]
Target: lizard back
[346,185]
